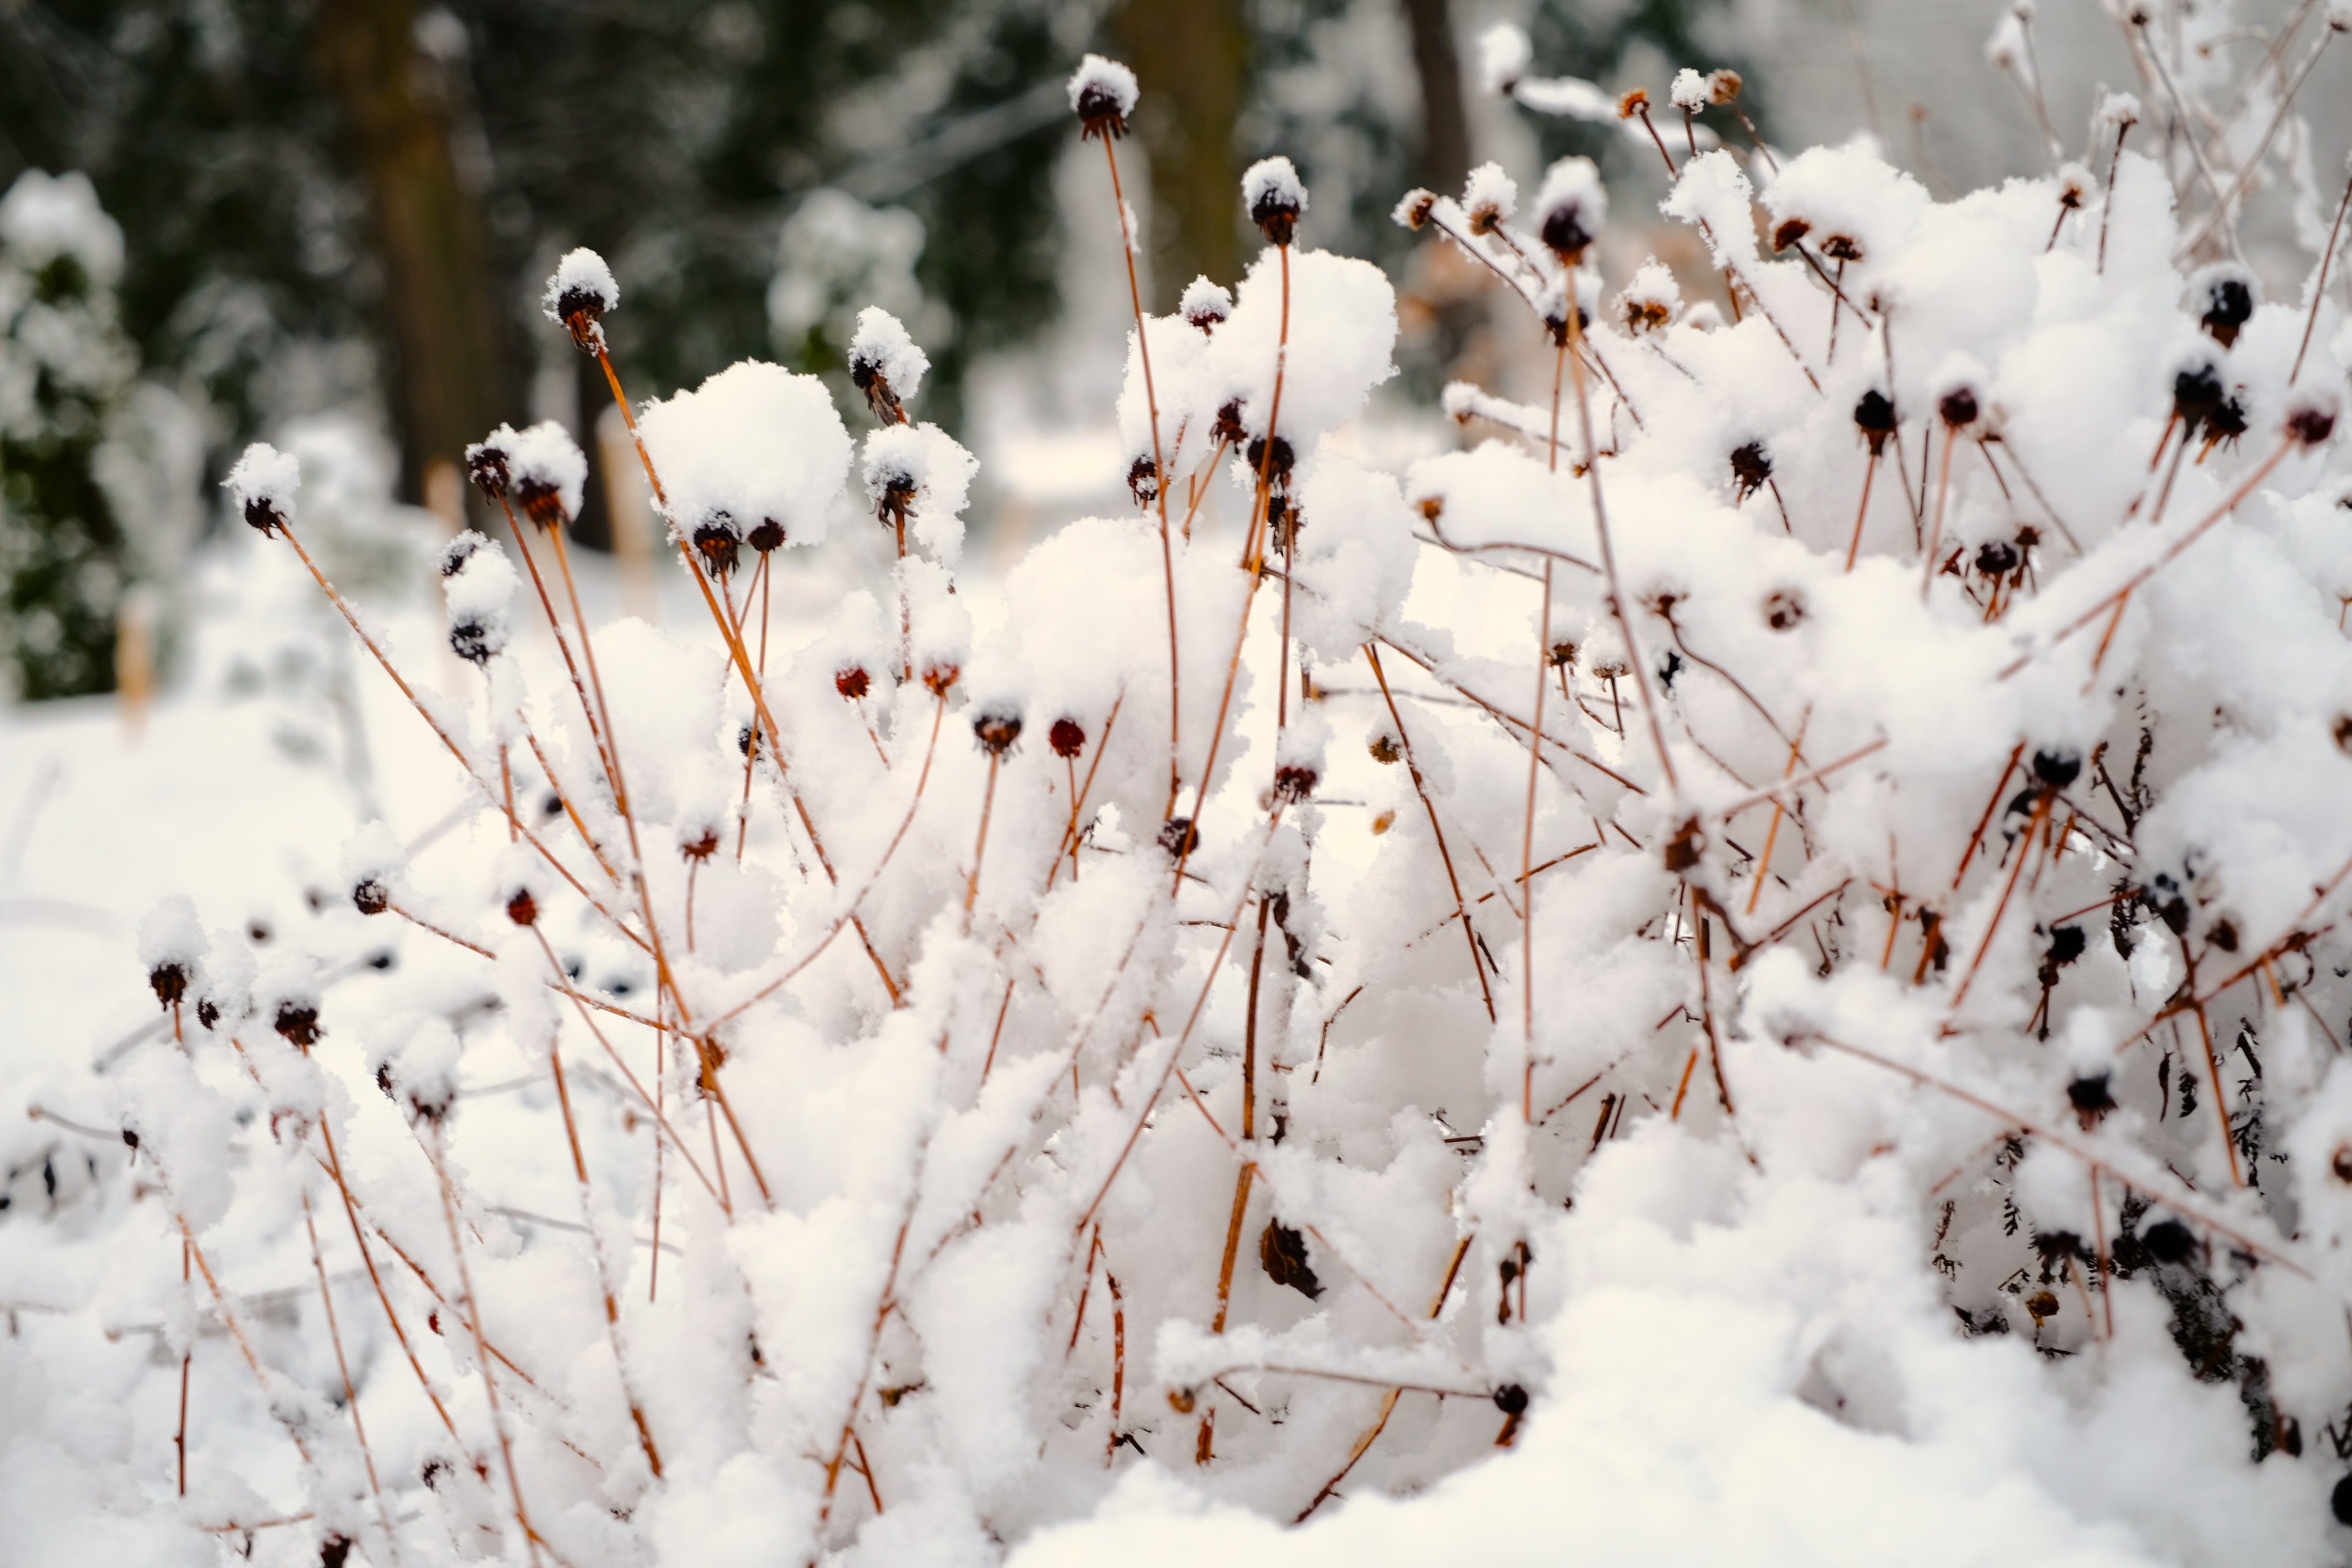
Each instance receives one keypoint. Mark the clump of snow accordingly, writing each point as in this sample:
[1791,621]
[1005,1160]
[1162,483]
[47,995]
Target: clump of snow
[1689,92]
[921,468]
[45,216]
[756,443]
[1504,55]
[1100,85]
[1489,197]
[262,486]
[547,464]
[1205,304]
[882,344]
[581,284]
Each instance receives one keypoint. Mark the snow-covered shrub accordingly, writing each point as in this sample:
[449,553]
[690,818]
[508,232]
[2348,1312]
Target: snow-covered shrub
[99,470]
[1163,1031]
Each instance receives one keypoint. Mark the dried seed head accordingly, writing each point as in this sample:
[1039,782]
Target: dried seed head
[170,979]
[1275,464]
[1282,1253]
[1842,247]
[1636,101]
[2169,1241]
[1294,782]
[852,681]
[2342,1163]
[2073,187]
[1511,1399]
[2312,419]
[579,293]
[938,678]
[1958,406]
[1783,609]
[767,536]
[1205,304]
[1489,198]
[1413,211]
[1687,846]
[1998,558]
[2343,733]
[1385,750]
[1572,207]
[1789,232]
[2225,297]
[297,1020]
[1178,837]
[718,542]
[2058,767]
[1874,417]
[1227,430]
[477,639]
[371,897]
[1688,90]
[1066,737]
[1723,86]
[1561,655]
[486,463]
[1275,197]
[2198,394]
[701,847]
[521,907]
[1143,481]
[458,551]
[2091,1098]
[996,732]
[550,473]
[262,486]
[1102,95]
[1751,470]
[747,737]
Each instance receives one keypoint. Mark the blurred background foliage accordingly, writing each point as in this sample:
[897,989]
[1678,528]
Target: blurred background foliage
[349,204]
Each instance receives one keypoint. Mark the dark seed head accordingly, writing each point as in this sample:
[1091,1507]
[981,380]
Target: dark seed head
[2339,1502]
[1998,558]
[1751,468]
[298,1022]
[522,908]
[1066,737]
[2091,1097]
[769,535]
[261,512]
[1414,210]
[2167,1241]
[486,465]
[1564,232]
[1178,837]
[2342,1163]
[1783,609]
[1511,1399]
[852,681]
[996,732]
[1385,750]
[1275,466]
[2229,306]
[2058,768]
[1099,114]
[2067,944]
[1293,783]
[541,502]
[1791,231]
[1874,417]
[208,1012]
[170,979]
[1958,406]
[371,897]
[2196,395]
[1143,481]
[476,641]
[1228,426]
[701,848]
[938,677]
[2311,424]
[718,543]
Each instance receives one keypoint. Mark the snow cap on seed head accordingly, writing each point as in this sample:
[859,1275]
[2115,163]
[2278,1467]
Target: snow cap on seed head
[374,867]
[1571,207]
[757,443]
[1957,390]
[1490,196]
[1504,55]
[263,484]
[2117,110]
[1205,304]
[579,292]
[1275,196]
[884,363]
[2311,415]
[1102,95]
[548,471]
[1690,91]
[489,461]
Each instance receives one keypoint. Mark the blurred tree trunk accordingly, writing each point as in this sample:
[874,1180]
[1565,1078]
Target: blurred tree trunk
[1192,59]
[449,375]
[1445,127]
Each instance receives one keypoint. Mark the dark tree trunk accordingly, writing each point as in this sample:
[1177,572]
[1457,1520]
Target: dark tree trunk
[449,375]
[1192,59]
[1445,127]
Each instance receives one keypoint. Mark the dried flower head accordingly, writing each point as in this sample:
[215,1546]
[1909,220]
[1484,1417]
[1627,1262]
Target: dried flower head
[996,730]
[1066,737]
[1751,470]
[262,486]
[767,536]
[371,897]
[298,1019]
[2224,297]
[885,364]
[170,981]
[1102,95]
[1958,406]
[2311,420]
[938,678]
[1143,481]
[1293,783]
[1275,198]
[1571,207]
[1560,654]
[477,639]
[1413,211]
[1723,86]
[1790,231]
[702,846]
[1227,429]
[1998,558]
[487,464]
[852,681]
[1635,100]
[1274,460]
[521,907]
[1489,198]
[718,542]
[1783,609]
[1385,750]
[550,474]
[1689,92]
[1205,304]
[580,292]
[1873,415]
[1178,837]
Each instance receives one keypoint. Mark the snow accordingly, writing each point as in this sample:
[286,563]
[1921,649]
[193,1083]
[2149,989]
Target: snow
[1689,92]
[581,282]
[883,344]
[44,217]
[1105,82]
[1762,1175]
[1489,197]
[263,484]
[756,443]
[1504,55]
[545,461]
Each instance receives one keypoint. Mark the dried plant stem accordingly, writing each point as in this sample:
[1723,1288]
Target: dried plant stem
[596,1245]
[1388,1402]
[2213,1074]
[1159,479]
[563,798]
[343,1366]
[1992,805]
[1935,530]
[2042,798]
[979,845]
[1702,945]
[1609,567]
[1771,834]
[750,748]
[1413,770]
[1079,795]
[2188,124]
[2221,211]
[180,1437]
[2320,286]
[1869,472]
[473,1314]
[2107,207]
[332,1164]
[464,761]
[1248,1173]
[591,711]
[1254,559]
[1672,173]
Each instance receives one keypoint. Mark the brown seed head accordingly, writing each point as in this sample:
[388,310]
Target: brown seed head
[371,897]
[996,732]
[938,677]
[1066,738]
[170,979]
[1414,210]
[297,1020]
[1293,784]
[1723,86]
[522,908]
[1636,102]
[701,848]
[852,681]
